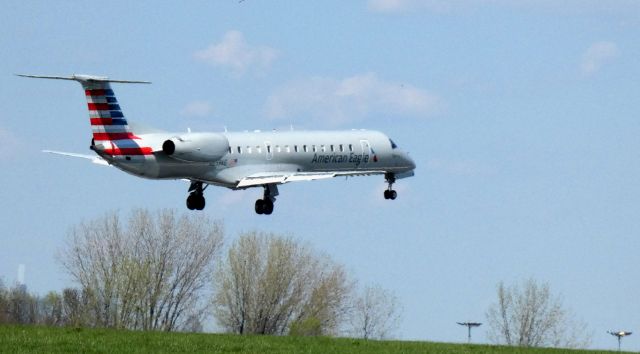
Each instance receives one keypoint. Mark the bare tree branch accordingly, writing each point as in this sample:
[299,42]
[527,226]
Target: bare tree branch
[531,317]
[271,285]
[375,314]
[144,276]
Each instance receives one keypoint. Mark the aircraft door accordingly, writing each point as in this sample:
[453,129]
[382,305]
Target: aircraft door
[268,150]
[366,150]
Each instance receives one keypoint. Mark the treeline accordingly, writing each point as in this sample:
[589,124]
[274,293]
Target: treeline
[17,306]
[165,271]
[71,307]
[170,272]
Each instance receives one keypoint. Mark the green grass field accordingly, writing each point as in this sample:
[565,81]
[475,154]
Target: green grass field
[21,339]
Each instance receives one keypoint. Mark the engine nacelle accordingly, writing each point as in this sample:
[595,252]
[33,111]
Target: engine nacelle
[197,147]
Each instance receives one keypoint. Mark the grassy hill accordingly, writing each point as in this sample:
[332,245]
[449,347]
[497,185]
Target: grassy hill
[20,339]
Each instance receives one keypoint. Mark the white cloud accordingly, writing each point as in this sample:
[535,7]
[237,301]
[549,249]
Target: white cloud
[234,53]
[597,55]
[566,7]
[401,6]
[197,109]
[339,101]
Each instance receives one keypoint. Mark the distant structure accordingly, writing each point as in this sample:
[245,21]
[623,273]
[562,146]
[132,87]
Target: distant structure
[469,325]
[619,334]
[20,280]
[21,274]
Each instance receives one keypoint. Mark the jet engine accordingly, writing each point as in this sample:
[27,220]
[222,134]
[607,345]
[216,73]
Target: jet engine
[197,147]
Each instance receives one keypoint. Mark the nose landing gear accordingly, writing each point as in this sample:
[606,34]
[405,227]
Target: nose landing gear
[390,193]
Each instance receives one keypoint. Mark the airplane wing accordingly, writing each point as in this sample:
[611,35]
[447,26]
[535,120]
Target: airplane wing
[95,159]
[258,179]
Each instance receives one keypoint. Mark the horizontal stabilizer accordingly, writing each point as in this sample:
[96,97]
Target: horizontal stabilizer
[95,159]
[84,78]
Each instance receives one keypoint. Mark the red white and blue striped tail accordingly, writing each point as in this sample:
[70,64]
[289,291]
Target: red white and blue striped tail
[111,132]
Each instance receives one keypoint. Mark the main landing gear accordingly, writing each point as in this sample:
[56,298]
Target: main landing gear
[195,200]
[390,193]
[265,205]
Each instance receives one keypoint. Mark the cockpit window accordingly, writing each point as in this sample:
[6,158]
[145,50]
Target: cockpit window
[393,145]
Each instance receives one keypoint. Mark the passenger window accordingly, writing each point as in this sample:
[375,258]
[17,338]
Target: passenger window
[287,149]
[341,148]
[314,148]
[304,148]
[350,147]
[248,149]
[239,150]
[332,148]
[295,148]
[258,149]
[277,148]
[229,149]
[268,149]
[323,148]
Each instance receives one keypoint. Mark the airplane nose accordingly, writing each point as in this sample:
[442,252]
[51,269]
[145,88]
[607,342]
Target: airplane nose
[405,161]
[411,163]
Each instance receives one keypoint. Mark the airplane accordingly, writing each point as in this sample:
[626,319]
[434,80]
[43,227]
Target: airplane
[236,160]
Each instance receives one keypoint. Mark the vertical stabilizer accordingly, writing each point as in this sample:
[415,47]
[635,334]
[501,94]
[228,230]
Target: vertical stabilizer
[112,134]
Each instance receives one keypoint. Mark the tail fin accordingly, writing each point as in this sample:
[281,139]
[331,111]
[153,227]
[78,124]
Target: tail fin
[110,128]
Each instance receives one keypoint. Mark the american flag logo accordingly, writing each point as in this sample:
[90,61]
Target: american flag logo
[108,124]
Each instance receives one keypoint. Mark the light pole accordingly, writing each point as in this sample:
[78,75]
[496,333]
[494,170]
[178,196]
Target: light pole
[619,334]
[469,325]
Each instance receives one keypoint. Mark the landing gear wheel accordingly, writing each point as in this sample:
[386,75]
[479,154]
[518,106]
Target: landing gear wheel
[200,202]
[268,207]
[195,200]
[260,206]
[191,204]
[390,193]
[265,205]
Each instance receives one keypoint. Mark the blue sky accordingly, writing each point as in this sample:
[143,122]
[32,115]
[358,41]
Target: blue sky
[522,118]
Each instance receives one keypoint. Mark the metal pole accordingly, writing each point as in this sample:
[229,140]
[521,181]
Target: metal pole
[469,325]
[619,340]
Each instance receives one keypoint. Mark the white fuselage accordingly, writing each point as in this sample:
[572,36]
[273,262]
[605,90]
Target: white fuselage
[242,154]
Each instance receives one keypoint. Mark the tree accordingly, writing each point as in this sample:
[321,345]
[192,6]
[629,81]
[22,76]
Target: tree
[23,306]
[51,309]
[146,275]
[4,303]
[17,305]
[270,285]
[193,323]
[530,316]
[72,309]
[375,313]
